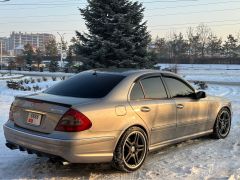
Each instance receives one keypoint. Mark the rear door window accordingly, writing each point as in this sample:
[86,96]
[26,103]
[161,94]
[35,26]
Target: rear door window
[154,88]
[136,93]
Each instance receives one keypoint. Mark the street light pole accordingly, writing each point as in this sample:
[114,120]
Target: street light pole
[1,55]
[62,38]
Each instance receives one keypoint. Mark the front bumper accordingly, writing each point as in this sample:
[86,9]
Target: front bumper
[86,150]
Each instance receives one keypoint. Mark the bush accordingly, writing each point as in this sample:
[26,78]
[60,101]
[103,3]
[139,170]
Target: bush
[54,78]
[38,80]
[36,88]
[201,85]
[63,78]
[21,82]
[13,85]
[26,81]
[44,79]
[173,69]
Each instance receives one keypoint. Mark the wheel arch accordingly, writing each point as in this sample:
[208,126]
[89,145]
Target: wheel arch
[228,108]
[224,107]
[220,109]
[133,125]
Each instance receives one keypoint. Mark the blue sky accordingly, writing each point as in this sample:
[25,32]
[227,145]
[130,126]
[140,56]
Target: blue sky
[163,16]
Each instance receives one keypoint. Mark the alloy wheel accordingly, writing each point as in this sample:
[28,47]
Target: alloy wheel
[134,148]
[224,123]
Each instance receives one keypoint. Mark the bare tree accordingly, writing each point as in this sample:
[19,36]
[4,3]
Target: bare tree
[203,31]
[194,44]
[161,47]
[214,46]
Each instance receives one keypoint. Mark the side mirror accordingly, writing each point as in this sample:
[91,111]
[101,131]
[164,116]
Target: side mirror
[200,95]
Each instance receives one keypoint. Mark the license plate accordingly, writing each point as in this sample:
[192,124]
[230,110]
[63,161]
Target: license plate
[34,119]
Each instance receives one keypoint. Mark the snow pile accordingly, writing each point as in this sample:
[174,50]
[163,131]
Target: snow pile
[37,73]
[13,76]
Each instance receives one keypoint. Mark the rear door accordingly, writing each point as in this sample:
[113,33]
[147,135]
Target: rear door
[192,114]
[149,100]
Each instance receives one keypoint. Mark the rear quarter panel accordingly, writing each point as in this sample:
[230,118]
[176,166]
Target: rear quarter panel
[107,122]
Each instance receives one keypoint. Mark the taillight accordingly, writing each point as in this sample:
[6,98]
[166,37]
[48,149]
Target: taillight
[73,121]
[11,113]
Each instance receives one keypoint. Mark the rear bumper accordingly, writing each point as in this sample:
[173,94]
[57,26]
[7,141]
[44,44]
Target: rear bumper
[86,150]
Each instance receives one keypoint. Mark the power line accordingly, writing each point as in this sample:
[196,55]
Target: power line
[161,15]
[153,27]
[166,29]
[170,1]
[36,22]
[40,7]
[84,3]
[183,27]
[40,4]
[192,23]
[56,15]
[192,5]
[196,12]
[52,4]
[169,7]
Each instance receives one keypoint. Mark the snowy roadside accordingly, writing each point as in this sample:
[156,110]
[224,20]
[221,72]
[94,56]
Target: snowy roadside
[5,77]
[202,158]
[223,74]
[37,73]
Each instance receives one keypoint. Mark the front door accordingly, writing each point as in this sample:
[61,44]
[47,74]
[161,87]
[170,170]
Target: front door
[192,113]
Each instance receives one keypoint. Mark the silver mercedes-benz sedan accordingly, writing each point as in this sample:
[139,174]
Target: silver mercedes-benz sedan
[118,117]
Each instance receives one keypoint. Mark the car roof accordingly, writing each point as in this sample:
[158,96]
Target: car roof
[129,72]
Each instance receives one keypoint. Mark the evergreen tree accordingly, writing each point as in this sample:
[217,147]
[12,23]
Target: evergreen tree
[53,66]
[230,46]
[214,45]
[179,46]
[51,48]
[28,53]
[161,47]
[52,52]
[116,36]
[39,57]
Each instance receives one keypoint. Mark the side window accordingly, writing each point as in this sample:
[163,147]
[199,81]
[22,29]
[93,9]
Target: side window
[136,92]
[178,88]
[153,88]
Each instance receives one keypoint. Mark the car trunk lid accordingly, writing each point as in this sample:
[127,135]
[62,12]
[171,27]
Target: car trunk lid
[42,112]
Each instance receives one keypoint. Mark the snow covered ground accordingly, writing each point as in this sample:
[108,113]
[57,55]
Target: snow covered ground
[202,158]
[212,73]
[8,76]
[37,73]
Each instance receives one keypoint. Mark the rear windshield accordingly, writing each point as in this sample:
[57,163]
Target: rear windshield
[86,85]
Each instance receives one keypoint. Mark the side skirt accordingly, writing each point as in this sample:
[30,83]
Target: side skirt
[157,146]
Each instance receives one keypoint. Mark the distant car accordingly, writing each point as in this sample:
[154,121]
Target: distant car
[118,117]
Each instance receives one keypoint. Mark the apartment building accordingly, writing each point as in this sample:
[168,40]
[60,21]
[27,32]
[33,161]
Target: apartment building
[17,40]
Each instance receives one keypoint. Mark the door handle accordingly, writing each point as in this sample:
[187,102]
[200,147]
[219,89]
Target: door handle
[145,109]
[180,106]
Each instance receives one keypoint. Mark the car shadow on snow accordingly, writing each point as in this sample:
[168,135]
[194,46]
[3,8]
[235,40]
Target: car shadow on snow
[43,168]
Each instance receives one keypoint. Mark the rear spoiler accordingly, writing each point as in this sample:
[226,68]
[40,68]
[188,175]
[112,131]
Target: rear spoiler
[42,101]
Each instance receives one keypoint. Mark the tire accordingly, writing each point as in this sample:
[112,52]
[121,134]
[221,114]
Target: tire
[131,150]
[222,125]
